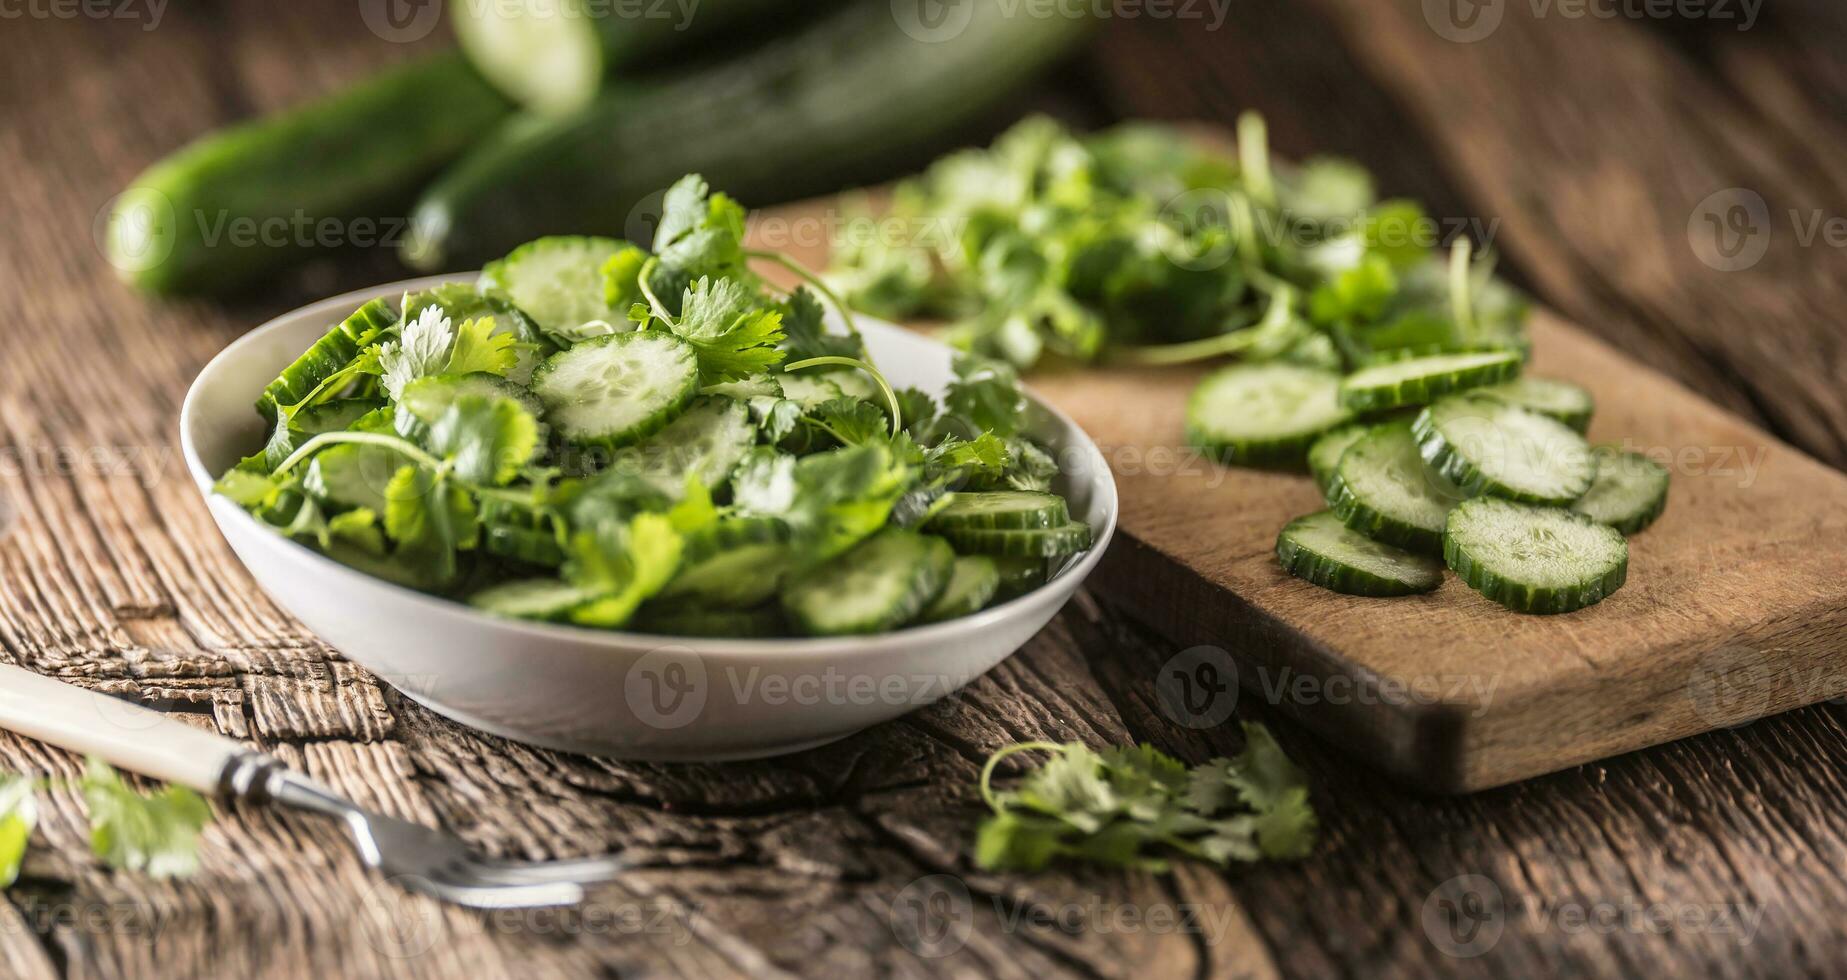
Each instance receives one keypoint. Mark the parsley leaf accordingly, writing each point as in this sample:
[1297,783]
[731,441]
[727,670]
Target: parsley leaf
[1136,807]
[18,815]
[478,349]
[489,438]
[157,834]
[732,335]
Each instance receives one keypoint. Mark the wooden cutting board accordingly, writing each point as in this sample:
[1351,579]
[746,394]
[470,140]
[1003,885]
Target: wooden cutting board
[1735,606]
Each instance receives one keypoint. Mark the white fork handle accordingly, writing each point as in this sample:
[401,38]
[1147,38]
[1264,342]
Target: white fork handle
[124,735]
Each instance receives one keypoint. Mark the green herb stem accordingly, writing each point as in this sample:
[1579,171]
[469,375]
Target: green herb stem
[891,397]
[987,771]
[807,275]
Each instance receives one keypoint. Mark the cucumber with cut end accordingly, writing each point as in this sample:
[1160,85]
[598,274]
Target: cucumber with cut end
[877,585]
[1556,399]
[1490,446]
[1630,491]
[544,598]
[1050,542]
[558,281]
[708,439]
[186,224]
[1383,489]
[1534,559]
[1263,413]
[1420,380]
[832,105]
[552,56]
[616,390]
[1325,454]
[733,564]
[973,583]
[424,400]
[522,544]
[1018,576]
[682,619]
[1330,554]
[1007,510]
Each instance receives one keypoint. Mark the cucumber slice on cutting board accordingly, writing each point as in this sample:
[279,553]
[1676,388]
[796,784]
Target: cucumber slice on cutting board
[1489,446]
[1630,491]
[1330,554]
[615,390]
[1556,399]
[877,585]
[1325,454]
[1419,380]
[1534,559]
[1383,489]
[1262,413]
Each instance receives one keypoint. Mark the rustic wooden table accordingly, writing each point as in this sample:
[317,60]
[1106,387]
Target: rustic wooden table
[1587,146]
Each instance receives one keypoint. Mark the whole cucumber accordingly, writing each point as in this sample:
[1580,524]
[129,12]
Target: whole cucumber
[841,102]
[552,56]
[340,170]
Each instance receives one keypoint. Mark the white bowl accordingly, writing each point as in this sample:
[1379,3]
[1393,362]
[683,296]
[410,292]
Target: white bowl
[597,692]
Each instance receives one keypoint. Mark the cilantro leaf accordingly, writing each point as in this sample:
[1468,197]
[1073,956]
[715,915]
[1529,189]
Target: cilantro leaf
[489,438]
[987,393]
[422,349]
[430,519]
[733,336]
[1135,806]
[156,834]
[18,816]
[852,421]
[804,324]
[700,234]
[625,563]
[478,349]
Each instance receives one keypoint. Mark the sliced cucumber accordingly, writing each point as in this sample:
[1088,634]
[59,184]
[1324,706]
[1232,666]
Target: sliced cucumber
[1420,380]
[1325,454]
[1262,413]
[680,619]
[424,400]
[1330,554]
[615,390]
[544,598]
[1011,510]
[708,439]
[522,544]
[1050,542]
[734,564]
[1630,491]
[877,585]
[1560,400]
[809,390]
[318,363]
[1534,559]
[972,584]
[559,282]
[1489,446]
[1383,489]
[1018,576]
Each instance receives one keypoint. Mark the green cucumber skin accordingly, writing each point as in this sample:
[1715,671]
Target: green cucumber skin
[1336,576]
[1420,391]
[1346,505]
[1053,513]
[362,153]
[1443,458]
[847,100]
[522,544]
[1045,543]
[1524,598]
[1639,520]
[980,581]
[928,576]
[634,434]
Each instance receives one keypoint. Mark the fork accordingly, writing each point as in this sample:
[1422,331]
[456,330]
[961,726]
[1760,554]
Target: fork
[411,856]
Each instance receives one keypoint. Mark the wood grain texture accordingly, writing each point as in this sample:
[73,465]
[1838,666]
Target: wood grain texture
[114,577]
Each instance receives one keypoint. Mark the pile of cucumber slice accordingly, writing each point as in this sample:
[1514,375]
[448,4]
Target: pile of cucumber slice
[1448,459]
[656,440]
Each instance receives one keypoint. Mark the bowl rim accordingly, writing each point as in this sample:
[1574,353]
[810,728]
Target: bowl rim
[299,554]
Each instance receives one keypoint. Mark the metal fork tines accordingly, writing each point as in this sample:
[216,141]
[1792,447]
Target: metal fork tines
[418,858]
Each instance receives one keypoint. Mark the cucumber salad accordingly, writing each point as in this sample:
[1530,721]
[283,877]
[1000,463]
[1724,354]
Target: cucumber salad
[654,439]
